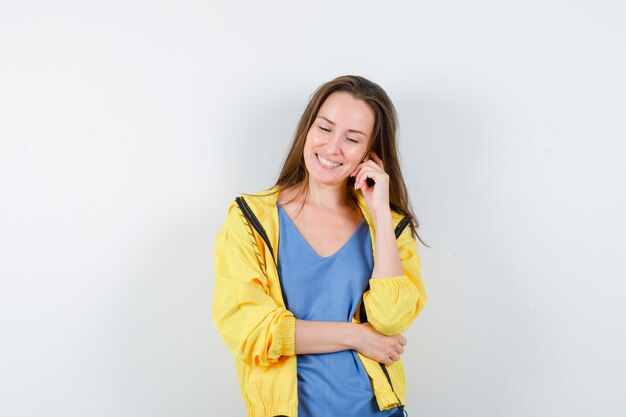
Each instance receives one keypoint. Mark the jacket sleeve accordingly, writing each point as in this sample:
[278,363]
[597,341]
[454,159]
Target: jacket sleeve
[393,303]
[252,324]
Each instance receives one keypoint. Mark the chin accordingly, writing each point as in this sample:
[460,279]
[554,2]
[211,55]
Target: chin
[328,181]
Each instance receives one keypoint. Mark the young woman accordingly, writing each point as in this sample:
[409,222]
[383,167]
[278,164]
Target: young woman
[317,277]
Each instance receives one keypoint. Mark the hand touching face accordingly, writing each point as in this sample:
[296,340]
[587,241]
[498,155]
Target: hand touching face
[338,139]
[376,195]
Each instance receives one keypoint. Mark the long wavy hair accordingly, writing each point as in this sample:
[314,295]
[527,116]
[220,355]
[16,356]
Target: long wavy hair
[383,142]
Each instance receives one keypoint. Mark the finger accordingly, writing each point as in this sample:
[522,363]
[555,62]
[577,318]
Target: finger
[362,183]
[373,164]
[400,349]
[371,167]
[358,181]
[366,173]
[388,361]
[362,166]
[366,163]
[359,178]
[403,341]
[376,159]
[375,176]
[395,356]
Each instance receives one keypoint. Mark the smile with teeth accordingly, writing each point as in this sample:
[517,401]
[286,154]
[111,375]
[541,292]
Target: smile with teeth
[326,163]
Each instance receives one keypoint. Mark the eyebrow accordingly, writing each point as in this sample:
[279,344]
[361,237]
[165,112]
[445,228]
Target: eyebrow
[349,130]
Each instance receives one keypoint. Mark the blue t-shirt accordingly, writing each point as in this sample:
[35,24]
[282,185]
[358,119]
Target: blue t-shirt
[328,289]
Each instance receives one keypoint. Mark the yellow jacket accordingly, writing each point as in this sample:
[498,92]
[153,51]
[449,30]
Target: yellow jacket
[250,314]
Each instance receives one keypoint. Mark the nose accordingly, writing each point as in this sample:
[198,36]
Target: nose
[332,146]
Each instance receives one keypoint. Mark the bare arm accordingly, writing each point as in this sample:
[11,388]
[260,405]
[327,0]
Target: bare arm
[387,263]
[323,336]
[314,337]
[396,292]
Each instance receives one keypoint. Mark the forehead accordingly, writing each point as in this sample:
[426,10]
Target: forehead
[347,112]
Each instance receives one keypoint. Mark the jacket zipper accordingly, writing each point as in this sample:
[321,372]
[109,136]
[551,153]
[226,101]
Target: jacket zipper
[249,214]
[256,224]
[363,315]
[245,208]
[402,225]
[386,372]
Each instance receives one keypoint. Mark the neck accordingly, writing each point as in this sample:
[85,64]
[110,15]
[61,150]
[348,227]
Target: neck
[328,196]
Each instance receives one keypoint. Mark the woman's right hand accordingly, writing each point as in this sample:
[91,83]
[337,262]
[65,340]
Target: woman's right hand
[377,346]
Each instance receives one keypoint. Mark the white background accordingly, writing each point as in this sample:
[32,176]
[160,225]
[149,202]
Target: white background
[126,128]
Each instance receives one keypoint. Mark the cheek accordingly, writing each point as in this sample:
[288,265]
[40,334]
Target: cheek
[312,141]
[357,154]
[309,143]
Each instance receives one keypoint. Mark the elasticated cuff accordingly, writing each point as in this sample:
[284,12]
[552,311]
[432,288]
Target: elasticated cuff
[391,283]
[272,410]
[288,334]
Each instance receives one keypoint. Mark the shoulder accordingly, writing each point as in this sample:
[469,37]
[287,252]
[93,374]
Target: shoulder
[257,199]
[261,202]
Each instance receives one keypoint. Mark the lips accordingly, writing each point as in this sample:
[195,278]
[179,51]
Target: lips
[326,163]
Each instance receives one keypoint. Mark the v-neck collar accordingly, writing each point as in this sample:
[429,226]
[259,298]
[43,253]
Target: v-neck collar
[301,236]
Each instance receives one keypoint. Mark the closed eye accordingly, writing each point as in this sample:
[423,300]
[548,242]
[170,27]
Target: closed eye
[327,130]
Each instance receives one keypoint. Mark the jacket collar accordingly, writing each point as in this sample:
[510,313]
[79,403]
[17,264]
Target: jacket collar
[263,204]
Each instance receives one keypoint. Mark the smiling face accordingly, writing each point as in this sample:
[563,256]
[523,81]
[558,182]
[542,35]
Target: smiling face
[338,139]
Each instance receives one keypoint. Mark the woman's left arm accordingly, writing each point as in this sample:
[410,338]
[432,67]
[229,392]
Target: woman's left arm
[396,292]
[396,296]
[387,262]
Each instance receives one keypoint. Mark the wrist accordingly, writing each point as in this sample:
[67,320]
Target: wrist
[352,336]
[382,218]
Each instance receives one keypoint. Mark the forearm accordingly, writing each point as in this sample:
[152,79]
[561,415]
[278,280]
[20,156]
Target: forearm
[387,263]
[324,336]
